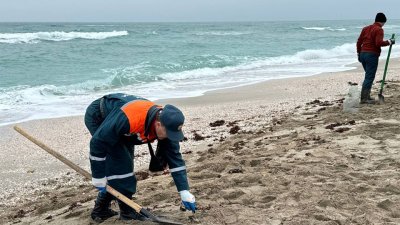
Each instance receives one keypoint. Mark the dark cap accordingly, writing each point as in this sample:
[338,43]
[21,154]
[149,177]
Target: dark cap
[380,17]
[172,118]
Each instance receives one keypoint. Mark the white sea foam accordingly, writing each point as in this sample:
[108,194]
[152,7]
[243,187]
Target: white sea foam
[221,33]
[324,28]
[16,38]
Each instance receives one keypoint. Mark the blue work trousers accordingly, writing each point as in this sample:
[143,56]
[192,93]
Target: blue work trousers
[369,62]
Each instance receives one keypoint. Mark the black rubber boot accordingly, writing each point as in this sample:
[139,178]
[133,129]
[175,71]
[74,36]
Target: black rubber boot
[365,95]
[127,213]
[101,210]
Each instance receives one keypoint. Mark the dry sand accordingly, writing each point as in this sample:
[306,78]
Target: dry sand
[258,154]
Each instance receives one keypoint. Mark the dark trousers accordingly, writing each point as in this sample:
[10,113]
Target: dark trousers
[369,62]
[119,161]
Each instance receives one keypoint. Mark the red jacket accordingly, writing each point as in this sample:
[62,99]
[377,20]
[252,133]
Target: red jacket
[371,39]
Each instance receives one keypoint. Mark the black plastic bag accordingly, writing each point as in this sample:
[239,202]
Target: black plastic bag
[157,160]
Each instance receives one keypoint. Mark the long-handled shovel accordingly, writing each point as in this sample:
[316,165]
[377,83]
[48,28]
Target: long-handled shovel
[115,193]
[380,95]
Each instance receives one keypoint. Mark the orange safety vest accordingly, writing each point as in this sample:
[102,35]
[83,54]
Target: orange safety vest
[136,112]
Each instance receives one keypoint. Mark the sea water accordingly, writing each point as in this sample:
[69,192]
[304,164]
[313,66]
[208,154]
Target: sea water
[56,69]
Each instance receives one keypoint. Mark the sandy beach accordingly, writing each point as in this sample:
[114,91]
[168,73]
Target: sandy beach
[277,152]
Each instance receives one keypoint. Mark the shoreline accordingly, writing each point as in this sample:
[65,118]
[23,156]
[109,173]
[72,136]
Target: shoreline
[351,66]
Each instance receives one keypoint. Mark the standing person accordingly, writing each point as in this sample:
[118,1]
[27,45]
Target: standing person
[368,50]
[118,122]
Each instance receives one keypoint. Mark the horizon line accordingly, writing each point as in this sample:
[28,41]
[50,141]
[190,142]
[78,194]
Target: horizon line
[200,21]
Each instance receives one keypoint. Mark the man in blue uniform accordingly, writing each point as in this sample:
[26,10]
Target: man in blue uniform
[118,122]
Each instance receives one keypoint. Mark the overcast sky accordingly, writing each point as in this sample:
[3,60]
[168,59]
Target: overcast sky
[192,10]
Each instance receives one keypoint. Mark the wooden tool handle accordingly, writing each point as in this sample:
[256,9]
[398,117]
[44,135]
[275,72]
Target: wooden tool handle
[124,199]
[78,169]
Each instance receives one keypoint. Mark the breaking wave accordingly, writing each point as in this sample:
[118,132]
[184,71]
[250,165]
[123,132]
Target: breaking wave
[324,28]
[31,38]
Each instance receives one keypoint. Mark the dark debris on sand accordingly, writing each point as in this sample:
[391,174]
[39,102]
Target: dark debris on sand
[217,123]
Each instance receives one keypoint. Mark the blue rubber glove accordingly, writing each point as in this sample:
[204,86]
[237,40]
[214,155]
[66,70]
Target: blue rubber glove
[100,184]
[102,189]
[188,200]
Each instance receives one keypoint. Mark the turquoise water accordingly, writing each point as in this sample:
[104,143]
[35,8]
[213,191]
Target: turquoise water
[52,69]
